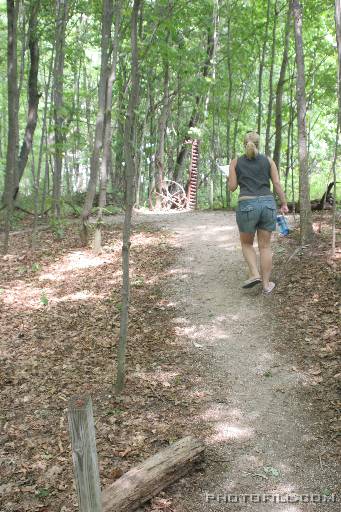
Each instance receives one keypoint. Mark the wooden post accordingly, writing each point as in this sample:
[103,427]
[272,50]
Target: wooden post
[84,455]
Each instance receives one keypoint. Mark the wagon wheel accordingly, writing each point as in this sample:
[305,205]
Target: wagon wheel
[173,196]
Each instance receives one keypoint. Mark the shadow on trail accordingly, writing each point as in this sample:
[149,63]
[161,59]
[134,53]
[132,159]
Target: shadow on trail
[248,400]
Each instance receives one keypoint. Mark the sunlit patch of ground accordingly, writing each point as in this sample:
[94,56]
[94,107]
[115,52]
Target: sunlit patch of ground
[228,432]
[60,310]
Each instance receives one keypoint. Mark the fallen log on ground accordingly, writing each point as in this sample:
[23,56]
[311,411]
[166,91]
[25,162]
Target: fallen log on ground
[325,203]
[315,206]
[147,479]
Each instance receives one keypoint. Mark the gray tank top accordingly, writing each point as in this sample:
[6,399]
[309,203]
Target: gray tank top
[253,176]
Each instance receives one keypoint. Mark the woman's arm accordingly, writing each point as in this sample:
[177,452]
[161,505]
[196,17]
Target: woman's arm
[233,183]
[277,186]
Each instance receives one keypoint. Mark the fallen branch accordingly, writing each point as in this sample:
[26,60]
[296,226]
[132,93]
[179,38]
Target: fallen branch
[147,479]
[21,209]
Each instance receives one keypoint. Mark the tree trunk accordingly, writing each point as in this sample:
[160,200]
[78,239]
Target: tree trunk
[36,182]
[58,85]
[1,138]
[139,178]
[273,53]
[33,94]
[338,40]
[107,130]
[48,141]
[215,133]
[119,135]
[228,112]
[237,119]
[86,86]
[261,69]
[13,111]
[160,150]
[40,156]
[292,149]
[196,114]
[305,207]
[279,94]
[130,169]
[151,167]
[76,149]
[22,30]
[335,185]
[289,137]
[210,186]
[46,184]
[107,16]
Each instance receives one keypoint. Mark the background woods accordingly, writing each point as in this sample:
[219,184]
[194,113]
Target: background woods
[209,71]
[115,106]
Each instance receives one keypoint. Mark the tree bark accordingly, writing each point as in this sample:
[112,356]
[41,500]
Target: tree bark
[141,145]
[130,169]
[1,138]
[119,132]
[37,177]
[238,116]
[196,114]
[58,116]
[13,112]
[33,94]
[228,112]
[76,149]
[86,86]
[160,150]
[305,206]
[151,167]
[22,18]
[338,40]
[107,130]
[333,250]
[48,142]
[279,94]
[292,146]
[107,16]
[289,137]
[273,53]
[35,182]
[261,69]
[215,133]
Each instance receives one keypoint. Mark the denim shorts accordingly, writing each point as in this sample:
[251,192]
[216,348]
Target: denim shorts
[256,213]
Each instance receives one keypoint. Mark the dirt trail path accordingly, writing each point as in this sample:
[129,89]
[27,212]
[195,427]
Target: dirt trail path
[265,436]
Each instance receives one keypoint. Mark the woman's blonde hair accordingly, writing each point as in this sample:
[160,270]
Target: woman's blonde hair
[251,142]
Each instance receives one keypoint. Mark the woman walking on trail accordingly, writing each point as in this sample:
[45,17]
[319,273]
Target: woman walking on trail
[256,210]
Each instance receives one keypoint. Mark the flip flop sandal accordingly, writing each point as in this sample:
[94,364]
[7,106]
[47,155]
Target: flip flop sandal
[249,283]
[269,289]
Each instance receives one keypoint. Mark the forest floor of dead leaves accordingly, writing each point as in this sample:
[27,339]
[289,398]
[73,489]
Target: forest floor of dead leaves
[308,310]
[60,309]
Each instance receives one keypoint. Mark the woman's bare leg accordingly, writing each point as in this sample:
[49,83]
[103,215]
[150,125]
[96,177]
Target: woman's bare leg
[249,253]
[264,241]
